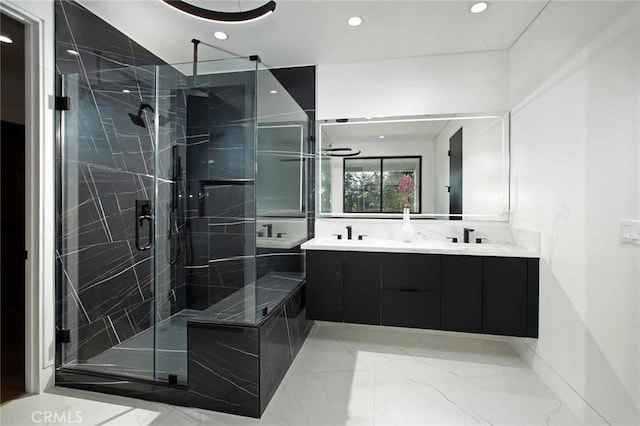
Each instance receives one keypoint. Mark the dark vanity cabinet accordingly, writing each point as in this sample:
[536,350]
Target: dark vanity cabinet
[343,286]
[504,296]
[361,298]
[410,290]
[325,285]
[462,293]
[406,308]
[474,294]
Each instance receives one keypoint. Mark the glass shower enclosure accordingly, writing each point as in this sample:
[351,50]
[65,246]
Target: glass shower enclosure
[182,197]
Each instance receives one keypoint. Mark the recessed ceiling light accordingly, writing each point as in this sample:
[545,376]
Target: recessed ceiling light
[220,35]
[5,39]
[273,92]
[72,52]
[381,137]
[479,7]
[354,21]
[126,91]
[367,118]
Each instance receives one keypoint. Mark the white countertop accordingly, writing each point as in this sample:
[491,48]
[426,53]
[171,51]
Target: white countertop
[284,242]
[420,246]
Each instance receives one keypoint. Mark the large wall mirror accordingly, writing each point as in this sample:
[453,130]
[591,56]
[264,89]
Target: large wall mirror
[457,167]
[280,158]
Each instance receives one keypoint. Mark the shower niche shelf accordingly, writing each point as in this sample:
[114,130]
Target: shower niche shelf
[224,197]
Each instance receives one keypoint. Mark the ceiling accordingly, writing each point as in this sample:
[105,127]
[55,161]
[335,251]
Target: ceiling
[303,32]
[393,131]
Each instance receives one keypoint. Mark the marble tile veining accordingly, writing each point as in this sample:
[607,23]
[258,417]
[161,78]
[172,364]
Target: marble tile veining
[353,375]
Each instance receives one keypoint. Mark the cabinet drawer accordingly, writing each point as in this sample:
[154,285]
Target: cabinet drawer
[416,309]
[408,271]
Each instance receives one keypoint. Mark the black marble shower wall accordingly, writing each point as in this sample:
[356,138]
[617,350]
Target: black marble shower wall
[220,186]
[106,163]
[300,83]
[221,149]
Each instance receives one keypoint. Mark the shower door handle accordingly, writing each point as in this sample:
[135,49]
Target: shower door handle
[140,224]
[143,214]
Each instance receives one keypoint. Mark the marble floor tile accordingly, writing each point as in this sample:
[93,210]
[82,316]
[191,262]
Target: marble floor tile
[351,375]
[333,398]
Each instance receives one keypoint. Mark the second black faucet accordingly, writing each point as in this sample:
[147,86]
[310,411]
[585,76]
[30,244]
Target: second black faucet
[467,231]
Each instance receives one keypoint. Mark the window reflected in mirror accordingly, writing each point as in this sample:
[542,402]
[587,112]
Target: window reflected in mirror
[382,185]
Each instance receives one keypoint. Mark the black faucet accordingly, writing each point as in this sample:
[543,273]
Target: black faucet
[349,233]
[269,229]
[466,234]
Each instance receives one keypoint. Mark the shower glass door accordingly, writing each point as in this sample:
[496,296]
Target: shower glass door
[156,213]
[105,249]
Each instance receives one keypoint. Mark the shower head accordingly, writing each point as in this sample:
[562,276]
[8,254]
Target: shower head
[137,118]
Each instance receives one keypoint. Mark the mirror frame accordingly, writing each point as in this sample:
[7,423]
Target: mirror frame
[505,116]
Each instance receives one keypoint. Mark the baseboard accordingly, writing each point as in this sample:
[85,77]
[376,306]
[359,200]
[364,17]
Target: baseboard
[567,394]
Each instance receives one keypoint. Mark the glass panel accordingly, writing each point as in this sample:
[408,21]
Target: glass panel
[170,230]
[157,212]
[362,185]
[400,183]
[105,269]
[205,250]
[281,192]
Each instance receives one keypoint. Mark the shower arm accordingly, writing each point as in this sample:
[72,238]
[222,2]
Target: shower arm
[195,60]
[196,43]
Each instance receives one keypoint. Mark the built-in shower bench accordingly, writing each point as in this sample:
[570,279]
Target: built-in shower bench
[240,348]
[238,351]
[250,304]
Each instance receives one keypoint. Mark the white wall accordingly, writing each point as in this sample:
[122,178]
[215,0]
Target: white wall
[41,205]
[439,84]
[484,177]
[575,102]
[389,147]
